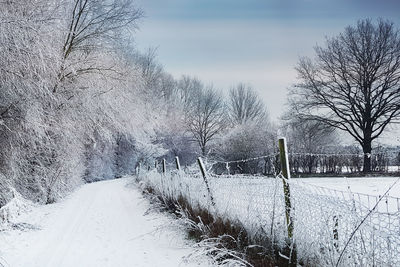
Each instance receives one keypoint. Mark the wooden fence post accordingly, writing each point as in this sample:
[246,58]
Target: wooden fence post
[178,165]
[286,190]
[204,174]
[164,166]
[336,232]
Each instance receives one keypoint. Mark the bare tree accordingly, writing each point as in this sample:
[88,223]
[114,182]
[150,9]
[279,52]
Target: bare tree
[91,26]
[206,117]
[310,137]
[188,88]
[150,69]
[245,105]
[354,82]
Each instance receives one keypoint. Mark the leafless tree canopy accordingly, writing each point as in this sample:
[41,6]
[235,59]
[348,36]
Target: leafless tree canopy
[95,21]
[188,89]
[245,105]
[206,118]
[354,82]
[92,26]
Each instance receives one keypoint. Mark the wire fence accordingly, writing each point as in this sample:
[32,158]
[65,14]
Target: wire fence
[330,227]
[311,163]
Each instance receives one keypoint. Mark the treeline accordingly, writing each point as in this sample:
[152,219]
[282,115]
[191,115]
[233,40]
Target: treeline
[345,160]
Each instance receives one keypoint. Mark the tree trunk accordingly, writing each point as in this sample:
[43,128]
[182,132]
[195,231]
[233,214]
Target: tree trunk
[203,150]
[367,148]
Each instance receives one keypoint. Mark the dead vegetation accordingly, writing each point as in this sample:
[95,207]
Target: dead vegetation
[224,240]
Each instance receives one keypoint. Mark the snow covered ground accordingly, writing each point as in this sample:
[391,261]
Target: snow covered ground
[367,185]
[365,190]
[101,224]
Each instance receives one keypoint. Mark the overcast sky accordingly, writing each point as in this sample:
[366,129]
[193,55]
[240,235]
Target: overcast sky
[252,41]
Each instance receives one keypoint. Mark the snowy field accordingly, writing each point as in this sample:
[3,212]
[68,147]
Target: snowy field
[367,185]
[365,190]
[101,224]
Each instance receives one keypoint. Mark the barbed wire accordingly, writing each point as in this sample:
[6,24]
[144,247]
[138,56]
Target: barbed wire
[343,154]
[245,160]
[326,154]
[273,155]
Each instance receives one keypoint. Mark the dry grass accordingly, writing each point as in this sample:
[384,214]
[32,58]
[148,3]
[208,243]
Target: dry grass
[229,239]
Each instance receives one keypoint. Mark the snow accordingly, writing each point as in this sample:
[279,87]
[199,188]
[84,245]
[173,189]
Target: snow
[100,224]
[16,206]
[366,185]
[365,190]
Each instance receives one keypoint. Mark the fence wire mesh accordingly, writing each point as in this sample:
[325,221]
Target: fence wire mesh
[324,219]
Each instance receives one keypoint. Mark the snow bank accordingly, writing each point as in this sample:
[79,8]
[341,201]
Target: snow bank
[15,207]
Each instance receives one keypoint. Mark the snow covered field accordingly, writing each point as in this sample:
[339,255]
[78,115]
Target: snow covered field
[101,224]
[367,185]
[365,190]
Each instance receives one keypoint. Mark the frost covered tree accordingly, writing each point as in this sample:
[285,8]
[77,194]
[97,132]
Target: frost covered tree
[353,84]
[28,48]
[188,91]
[175,134]
[205,117]
[250,129]
[71,106]
[91,26]
[308,137]
[245,105]
[249,140]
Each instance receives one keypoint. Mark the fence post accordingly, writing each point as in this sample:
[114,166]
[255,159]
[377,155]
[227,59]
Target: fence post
[336,232]
[204,174]
[178,165]
[286,190]
[164,166]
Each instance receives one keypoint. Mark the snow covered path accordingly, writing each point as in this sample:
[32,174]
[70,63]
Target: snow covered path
[101,224]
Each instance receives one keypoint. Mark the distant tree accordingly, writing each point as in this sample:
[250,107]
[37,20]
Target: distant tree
[354,83]
[245,105]
[150,69]
[205,118]
[188,90]
[398,161]
[245,141]
[310,137]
